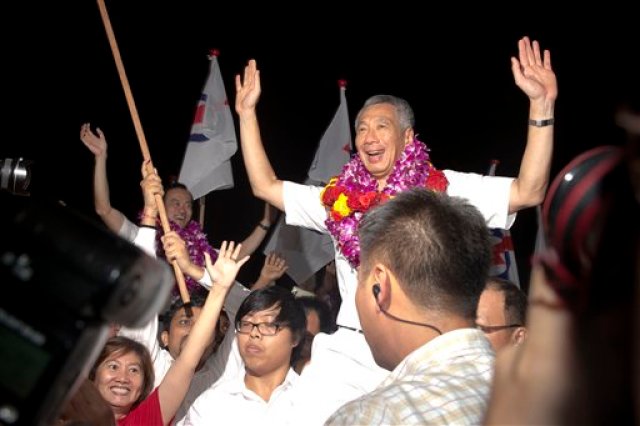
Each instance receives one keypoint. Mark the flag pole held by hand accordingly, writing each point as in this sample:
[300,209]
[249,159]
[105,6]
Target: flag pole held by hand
[184,294]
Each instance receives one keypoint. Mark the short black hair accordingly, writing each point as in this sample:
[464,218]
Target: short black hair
[197,296]
[515,300]
[312,303]
[438,246]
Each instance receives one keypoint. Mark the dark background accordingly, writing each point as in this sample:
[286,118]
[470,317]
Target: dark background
[453,67]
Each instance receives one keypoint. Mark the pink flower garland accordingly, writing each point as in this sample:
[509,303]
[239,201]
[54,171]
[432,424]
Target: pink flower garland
[197,245]
[352,193]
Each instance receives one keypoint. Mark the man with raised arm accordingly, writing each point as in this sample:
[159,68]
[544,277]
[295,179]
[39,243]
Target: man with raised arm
[390,159]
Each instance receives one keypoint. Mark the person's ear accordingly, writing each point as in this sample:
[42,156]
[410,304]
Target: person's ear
[519,335]
[409,136]
[380,287]
[297,341]
[164,338]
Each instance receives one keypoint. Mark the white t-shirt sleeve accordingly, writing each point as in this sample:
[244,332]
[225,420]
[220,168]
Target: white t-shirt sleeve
[146,240]
[302,206]
[128,230]
[489,194]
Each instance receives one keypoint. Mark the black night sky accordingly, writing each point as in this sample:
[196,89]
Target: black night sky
[60,72]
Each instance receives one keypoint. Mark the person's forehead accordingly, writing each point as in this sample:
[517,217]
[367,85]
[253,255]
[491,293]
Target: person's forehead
[378,112]
[264,313]
[178,193]
[126,357]
[492,299]
[182,313]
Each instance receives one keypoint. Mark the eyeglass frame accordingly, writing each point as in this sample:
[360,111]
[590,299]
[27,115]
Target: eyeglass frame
[258,325]
[488,329]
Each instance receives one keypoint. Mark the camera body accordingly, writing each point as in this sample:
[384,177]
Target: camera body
[64,280]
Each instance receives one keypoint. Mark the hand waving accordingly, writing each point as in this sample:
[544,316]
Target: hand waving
[248,88]
[533,73]
[97,144]
[274,267]
[224,271]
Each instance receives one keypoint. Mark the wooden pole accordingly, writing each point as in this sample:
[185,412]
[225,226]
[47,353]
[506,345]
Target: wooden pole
[184,294]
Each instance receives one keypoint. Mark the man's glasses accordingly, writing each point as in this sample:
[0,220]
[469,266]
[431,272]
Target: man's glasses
[487,329]
[264,328]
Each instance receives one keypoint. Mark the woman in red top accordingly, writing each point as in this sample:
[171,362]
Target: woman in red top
[123,372]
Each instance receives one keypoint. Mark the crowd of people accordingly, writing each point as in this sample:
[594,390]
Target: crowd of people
[423,334]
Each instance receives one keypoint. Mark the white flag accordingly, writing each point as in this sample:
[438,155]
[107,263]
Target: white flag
[334,148]
[206,165]
[307,251]
[503,263]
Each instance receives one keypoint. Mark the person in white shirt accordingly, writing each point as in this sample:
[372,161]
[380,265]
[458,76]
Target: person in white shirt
[390,159]
[215,362]
[178,202]
[270,327]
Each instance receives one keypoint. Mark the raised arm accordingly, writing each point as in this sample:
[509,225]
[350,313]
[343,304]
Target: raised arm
[533,75]
[175,384]
[264,182]
[253,241]
[97,144]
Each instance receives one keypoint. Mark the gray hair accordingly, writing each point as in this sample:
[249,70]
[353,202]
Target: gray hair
[402,107]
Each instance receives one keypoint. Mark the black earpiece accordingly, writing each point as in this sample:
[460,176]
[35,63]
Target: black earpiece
[376,290]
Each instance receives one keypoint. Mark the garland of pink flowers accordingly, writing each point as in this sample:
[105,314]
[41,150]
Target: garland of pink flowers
[351,194]
[197,244]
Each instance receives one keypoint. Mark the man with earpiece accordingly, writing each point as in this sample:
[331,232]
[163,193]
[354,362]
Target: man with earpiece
[424,261]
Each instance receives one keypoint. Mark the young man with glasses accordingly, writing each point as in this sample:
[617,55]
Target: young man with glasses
[501,313]
[270,325]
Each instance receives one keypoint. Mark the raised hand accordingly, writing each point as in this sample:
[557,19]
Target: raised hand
[224,271]
[248,88]
[97,144]
[532,72]
[274,267]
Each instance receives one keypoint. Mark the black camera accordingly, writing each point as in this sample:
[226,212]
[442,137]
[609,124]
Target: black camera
[64,280]
[15,175]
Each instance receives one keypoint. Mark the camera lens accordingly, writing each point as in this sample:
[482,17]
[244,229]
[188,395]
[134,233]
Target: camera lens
[15,176]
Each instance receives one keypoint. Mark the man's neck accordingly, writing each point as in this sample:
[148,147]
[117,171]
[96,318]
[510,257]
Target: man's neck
[265,384]
[382,183]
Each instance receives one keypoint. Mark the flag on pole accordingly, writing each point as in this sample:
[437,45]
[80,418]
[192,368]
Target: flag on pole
[307,251]
[503,263]
[206,165]
[334,148]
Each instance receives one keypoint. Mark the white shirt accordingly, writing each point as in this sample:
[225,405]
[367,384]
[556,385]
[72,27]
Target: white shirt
[342,367]
[229,402]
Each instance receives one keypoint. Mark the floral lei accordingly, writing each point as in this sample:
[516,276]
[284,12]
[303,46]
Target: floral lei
[197,245]
[354,191]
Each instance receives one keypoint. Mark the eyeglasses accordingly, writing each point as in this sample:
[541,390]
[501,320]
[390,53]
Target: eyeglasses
[265,328]
[493,328]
